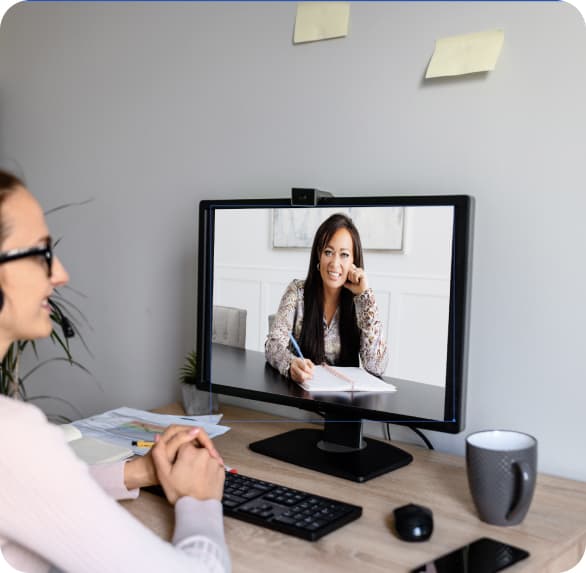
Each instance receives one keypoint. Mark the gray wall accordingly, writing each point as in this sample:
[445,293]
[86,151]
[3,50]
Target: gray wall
[149,108]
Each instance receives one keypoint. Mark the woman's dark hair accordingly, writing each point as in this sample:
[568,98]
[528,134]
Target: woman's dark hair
[312,331]
[8,184]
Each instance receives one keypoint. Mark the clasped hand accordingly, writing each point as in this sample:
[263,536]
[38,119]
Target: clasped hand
[183,461]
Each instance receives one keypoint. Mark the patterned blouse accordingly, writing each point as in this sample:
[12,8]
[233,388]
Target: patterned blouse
[279,353]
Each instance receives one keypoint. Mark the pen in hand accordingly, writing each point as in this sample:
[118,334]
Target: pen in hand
[296,346]
[300,371]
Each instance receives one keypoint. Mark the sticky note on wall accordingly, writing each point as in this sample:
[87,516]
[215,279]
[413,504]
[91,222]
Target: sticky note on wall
[321,21]
[466,54]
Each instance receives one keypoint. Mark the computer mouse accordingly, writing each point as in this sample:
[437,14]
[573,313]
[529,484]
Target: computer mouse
[413,522]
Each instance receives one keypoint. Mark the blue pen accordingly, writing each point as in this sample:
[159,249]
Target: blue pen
[296,346]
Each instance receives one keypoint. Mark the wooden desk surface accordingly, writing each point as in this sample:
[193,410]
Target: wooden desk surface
[554,531]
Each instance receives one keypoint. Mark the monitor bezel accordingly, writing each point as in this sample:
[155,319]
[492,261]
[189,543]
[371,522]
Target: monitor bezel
[454,404]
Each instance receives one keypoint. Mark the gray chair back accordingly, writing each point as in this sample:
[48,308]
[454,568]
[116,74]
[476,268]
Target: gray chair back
[229,326]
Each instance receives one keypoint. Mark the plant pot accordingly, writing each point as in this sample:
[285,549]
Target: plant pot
[198,402]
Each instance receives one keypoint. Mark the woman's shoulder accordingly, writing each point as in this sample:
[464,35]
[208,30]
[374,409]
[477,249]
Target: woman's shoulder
[295,288]
[11,408]
[30,441]
[16,416]
[299,287]
[298,284]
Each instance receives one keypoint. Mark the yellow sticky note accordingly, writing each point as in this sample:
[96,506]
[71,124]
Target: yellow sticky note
[466,54]
[321,21]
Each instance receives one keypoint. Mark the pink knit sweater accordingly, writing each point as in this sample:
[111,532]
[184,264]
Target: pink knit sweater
[56,514]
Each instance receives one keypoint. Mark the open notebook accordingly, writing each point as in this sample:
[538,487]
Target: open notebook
[328,378]
[92,450]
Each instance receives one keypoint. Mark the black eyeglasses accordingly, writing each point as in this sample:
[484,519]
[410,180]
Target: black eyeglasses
[44,253]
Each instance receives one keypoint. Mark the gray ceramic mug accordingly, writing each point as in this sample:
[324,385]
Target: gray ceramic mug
[502,468]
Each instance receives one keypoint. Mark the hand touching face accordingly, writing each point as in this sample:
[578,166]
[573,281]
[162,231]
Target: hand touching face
[357,282]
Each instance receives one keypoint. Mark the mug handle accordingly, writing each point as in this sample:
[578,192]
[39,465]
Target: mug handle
[525,491]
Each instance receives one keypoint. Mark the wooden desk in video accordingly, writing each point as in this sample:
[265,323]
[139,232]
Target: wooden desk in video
[554,531]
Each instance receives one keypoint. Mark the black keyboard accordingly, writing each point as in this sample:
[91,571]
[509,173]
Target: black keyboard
[283,509]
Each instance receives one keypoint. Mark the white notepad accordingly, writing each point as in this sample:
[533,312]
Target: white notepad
[345,378]
[92,450]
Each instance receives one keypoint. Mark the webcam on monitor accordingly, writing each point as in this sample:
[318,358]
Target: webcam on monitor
[305,197]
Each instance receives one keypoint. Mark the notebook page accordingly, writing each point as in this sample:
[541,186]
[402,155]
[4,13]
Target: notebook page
[345,378]
[71,432]
[324,381]
[93,451]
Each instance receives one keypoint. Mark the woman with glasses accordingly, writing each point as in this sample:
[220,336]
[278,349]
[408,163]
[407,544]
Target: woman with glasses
[56,513]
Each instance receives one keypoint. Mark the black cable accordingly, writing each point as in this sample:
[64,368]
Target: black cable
[424,438]
[387,431]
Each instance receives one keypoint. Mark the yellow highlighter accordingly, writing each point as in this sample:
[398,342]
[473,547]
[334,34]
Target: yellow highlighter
[143,444]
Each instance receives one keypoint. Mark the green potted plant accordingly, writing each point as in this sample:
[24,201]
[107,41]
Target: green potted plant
[195,401]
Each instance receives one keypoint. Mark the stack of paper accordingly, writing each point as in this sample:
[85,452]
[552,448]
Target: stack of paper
[122,426]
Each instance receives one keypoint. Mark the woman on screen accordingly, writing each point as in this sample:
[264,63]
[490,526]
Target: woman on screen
[57,513]
[332,314]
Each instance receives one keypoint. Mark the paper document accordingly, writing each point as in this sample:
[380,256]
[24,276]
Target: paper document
[466,54]
[321,21]
[124,425]
[345,378]
[92,450]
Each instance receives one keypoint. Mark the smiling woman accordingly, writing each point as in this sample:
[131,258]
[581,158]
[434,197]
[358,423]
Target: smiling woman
[333,312]
[46,493]
[28,270]
[64,327]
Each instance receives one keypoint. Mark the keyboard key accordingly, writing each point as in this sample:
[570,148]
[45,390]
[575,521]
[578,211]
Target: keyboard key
[232,497]
[252,493]
[285,520]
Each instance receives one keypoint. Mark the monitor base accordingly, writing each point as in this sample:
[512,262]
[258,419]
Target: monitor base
[300,447]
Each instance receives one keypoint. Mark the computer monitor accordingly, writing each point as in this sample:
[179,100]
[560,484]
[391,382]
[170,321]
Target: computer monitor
[415,251]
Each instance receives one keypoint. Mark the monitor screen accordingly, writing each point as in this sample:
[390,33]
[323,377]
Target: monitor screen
[259,283]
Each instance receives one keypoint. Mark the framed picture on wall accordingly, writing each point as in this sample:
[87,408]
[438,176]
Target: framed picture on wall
[380,229]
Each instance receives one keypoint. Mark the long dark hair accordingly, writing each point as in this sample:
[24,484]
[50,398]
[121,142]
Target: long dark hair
[312,330]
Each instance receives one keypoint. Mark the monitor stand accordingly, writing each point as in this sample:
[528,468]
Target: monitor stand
[339,450]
